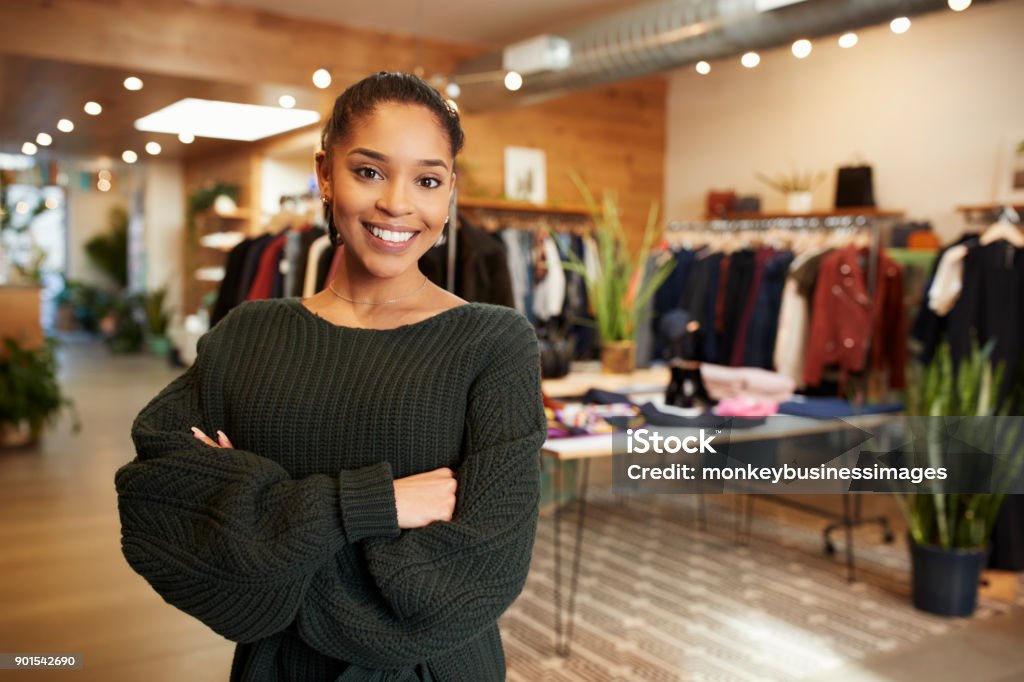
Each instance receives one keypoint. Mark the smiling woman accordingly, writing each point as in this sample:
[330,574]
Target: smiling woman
[365,503]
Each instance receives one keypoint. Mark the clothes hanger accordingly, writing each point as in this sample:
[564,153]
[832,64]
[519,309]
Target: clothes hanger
[1006,228]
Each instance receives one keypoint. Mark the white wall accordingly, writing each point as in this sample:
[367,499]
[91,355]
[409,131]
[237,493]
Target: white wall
[284,176]
[88,214]
[929,109]
[164,233]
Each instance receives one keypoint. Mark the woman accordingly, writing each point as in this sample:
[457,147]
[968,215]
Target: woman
[368,509]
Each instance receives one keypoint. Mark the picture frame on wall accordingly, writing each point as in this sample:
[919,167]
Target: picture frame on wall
[526,174]
[1011,178]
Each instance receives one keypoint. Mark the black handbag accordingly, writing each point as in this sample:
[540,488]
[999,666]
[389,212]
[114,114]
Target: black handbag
[854,187]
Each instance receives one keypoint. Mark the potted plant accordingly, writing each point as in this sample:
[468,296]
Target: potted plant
[796,187]
[619,288]
[157,321]
[950,532]
[30,397]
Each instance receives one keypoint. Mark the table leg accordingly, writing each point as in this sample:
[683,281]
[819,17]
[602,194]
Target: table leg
[565,613]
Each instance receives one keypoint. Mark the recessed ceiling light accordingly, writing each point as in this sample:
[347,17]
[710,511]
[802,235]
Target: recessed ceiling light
[453,89]
[132,83]
[65,126]
[900,25]
[93,108]
[513,81]
[186,138]
[29,148]
[225,120]
[703,68]
[129,156]
[321,78]
[959,5]
[750,60]
[286,101]
[153,148]
[801,48]
[847,40]
[103,185]
[51,203]
[104,174]
[44,139]
[21,207]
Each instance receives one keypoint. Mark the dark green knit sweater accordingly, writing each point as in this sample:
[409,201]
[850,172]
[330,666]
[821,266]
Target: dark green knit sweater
[289,544]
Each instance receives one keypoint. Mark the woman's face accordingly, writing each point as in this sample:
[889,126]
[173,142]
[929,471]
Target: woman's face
[390,181]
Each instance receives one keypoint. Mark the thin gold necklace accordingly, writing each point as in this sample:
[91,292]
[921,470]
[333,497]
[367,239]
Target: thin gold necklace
[330,285]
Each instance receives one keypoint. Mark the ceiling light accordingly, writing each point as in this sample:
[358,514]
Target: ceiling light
[14,162]
[513,81]
[801,48]
[959,5]
[900,25]
[453,89]
[29,148]
[750,60]
[132,83]
[768,5]
[104,174]
[51,203]
[321,78]
[703,68]
[847,40]
[224,120]
[21,207]
[186,138]
[153,148]
[93,108]
[103,185]
[44,139]
[129,156]
[65,126]
[286,101]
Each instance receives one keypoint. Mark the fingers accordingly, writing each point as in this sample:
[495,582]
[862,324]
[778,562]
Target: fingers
[222,439]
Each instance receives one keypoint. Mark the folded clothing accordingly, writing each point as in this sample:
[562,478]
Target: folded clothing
[745,407]
[826,408]
[656,417]
[746,382]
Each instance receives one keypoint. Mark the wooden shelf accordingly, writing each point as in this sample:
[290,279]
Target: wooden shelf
[987,208]
[522,206]
[866,212]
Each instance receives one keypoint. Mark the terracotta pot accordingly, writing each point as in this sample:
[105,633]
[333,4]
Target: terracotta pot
[18,436]
[618,357]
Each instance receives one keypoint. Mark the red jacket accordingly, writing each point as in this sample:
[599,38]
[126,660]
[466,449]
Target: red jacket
[844,320]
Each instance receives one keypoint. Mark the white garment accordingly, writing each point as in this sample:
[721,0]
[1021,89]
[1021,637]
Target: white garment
[312,261]
[591,259]
[948,281]
[517,265]
[549,293]
[794,326]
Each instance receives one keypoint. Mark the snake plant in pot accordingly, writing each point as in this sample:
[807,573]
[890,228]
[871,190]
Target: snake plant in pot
[950,531]
[618,283]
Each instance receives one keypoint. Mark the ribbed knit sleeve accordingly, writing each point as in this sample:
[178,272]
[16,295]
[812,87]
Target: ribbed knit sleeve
[442,585]
[227,535]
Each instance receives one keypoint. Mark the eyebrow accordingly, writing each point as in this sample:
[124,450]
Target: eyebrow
[381,157]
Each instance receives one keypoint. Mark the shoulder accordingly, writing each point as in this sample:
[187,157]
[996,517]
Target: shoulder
[244,318]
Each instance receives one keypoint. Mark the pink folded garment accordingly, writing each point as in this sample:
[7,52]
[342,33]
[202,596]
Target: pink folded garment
[744,407]
[746,382]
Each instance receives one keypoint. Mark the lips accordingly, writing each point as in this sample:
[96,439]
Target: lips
[388,237]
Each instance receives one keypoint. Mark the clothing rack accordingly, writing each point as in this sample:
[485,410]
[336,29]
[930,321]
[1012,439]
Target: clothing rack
[850,517]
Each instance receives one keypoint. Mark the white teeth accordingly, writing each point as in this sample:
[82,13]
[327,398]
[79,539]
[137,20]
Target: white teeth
[389,236]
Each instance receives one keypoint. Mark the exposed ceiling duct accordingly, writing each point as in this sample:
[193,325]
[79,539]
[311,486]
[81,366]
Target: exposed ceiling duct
[673,33]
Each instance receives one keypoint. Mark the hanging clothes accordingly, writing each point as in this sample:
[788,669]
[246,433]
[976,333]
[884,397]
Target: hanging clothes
[549,293]
[310,280]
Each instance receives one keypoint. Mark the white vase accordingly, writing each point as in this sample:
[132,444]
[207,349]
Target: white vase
[224,205]
[799,202]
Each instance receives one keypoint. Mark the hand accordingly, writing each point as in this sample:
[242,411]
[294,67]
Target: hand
[222,440]
[424,498]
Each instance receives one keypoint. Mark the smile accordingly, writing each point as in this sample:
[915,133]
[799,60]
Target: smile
[389,235]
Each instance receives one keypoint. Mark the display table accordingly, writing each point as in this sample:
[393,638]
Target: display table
[575,384]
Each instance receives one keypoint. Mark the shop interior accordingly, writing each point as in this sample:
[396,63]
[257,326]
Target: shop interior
[787,223]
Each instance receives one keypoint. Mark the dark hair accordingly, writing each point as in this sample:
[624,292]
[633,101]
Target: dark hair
[388,86]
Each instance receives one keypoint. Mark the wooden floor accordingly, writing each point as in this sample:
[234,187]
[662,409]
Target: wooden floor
[66,587]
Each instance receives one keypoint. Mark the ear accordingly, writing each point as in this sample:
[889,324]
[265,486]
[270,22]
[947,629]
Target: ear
[323,171]
[451,186]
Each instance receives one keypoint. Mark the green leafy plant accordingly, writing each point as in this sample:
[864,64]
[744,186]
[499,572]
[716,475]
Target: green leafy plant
[948,520]
[619,292]
[793,182]
[29,391]
[157,319]
[109,251]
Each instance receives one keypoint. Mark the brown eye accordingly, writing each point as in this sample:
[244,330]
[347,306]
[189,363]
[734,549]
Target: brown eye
[367,173]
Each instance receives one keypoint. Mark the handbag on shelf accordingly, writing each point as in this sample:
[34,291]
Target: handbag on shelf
[854,187]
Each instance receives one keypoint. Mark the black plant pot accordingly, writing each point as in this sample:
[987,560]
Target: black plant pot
[945,581]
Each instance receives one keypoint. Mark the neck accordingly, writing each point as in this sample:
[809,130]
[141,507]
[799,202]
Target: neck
[354,282]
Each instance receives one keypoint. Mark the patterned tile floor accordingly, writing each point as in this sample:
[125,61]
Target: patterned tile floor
[661,600]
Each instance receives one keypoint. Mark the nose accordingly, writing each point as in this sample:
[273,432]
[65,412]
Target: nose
[394,199]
